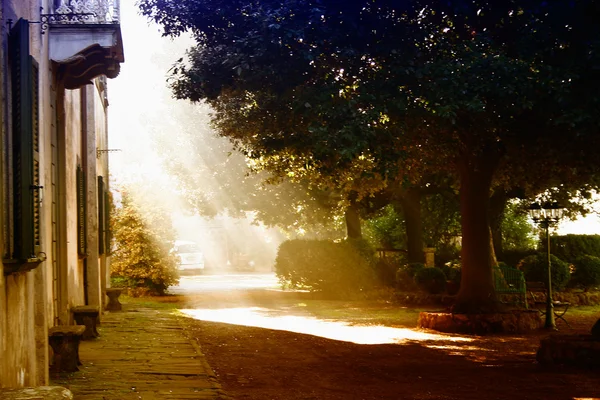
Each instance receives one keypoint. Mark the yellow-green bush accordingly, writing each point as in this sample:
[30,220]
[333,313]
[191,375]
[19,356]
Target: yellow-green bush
[337,269]
[141,257]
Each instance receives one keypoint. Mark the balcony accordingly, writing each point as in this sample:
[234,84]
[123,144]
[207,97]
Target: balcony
[85,39]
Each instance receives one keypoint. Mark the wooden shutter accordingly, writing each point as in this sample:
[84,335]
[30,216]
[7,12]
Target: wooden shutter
[101,212]
[107,231]
[81,213]
[25,150]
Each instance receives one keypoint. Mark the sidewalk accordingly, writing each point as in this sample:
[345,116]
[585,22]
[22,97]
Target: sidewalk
[143,354]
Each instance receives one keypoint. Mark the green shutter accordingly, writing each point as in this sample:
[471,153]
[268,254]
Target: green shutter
[81,213]
[24,73]
[101,211]
[107,231]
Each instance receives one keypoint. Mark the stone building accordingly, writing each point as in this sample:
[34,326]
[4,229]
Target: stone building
[55,58]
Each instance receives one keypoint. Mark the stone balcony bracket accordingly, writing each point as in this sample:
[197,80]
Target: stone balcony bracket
[83,52]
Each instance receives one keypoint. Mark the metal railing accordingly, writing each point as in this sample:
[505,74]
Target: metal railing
[83,12]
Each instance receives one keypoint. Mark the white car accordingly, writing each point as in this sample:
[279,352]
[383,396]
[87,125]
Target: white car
[191,258]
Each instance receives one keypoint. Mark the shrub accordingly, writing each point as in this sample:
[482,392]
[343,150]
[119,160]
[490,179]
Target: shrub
[535,268]
[386,271]
[586,271]
[405,276]
[452,270]
[445,255]
[431,280]
[513,257]
[142,242]
[569,247]
[335,269]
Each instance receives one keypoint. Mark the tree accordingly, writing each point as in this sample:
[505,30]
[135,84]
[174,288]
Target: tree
[480,90]
[143,240]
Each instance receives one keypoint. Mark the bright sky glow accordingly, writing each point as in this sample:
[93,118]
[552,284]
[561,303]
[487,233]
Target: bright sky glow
[330,329]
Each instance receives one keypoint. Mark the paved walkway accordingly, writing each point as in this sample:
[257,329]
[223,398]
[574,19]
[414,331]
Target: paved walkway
[143,354]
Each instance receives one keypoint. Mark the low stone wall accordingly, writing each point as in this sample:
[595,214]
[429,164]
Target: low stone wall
[423,299]
[517,321]
[576,298]
[577,350]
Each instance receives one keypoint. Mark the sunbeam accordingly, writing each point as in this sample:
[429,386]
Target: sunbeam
[330,329]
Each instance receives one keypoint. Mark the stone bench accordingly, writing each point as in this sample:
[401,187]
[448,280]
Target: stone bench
[87,316]
[113,299]
[64,340]
[40,392]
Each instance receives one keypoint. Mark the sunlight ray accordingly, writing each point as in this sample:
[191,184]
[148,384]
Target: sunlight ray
[330,329]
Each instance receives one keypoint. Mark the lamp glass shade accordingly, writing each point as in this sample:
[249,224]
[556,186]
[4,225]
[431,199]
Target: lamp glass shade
[535,211]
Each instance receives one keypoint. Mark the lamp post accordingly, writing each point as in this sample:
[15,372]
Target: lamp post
[545,215]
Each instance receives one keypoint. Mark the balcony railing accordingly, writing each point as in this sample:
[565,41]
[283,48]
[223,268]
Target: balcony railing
[83,12]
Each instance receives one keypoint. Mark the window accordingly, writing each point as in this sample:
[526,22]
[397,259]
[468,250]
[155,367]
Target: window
[103,217]
[81,213]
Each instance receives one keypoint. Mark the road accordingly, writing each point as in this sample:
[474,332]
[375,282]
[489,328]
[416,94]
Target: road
[196,284]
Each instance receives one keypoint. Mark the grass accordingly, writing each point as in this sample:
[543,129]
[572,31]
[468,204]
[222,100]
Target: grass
[585,311]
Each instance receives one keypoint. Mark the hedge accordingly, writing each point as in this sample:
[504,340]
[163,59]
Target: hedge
[569,247]
[338,269]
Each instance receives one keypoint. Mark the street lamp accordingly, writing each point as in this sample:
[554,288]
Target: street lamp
[545,215]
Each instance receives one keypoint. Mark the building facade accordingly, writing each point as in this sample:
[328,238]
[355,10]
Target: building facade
[55,58]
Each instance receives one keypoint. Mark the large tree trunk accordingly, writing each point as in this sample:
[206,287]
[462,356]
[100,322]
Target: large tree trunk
[476,287]
[410,200]
[353,227]
[497,208]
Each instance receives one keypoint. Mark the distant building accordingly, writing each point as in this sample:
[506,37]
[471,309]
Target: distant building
[55,58]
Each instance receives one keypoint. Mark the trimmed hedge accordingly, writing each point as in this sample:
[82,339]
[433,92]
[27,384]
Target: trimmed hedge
[335,269]
[512,258]
[535,268]
[405,276]
[569,247]
[431,280]
[586,272]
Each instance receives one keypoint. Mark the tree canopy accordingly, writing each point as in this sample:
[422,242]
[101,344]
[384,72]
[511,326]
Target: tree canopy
[491,92]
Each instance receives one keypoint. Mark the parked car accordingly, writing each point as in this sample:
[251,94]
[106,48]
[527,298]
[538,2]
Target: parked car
[191,258]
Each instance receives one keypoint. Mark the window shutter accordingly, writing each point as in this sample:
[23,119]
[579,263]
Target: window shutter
[107,231]
[25,149]
[81,213]
[101,211]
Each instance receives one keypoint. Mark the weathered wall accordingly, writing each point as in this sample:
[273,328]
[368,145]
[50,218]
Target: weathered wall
[23,306]
[73,158]
[101,167]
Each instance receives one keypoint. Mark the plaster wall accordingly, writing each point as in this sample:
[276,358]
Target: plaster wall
[23,301]
[72,141]
[101,129]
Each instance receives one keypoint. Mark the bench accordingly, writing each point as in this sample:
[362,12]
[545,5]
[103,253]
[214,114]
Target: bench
[113,299]
[560,308]
[510,281]
[64,340]
[87,316]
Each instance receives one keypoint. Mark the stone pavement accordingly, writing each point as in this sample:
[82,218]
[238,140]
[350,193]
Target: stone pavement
[143,354]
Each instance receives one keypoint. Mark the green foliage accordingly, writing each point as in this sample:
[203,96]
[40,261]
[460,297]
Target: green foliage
[513,257]
[143,239]
[386,230]
[535,268]
[431,280]
[517,232]
[586,272]
[334,269]
[381,92]
[405,276]
[452,270]
[570,247]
